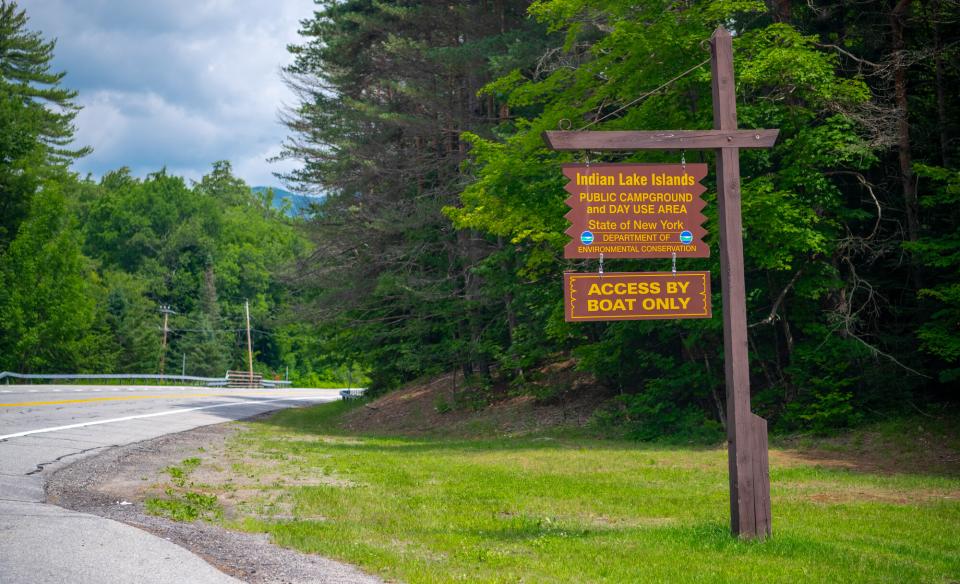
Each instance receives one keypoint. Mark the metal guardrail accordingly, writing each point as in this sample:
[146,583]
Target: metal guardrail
[209,381]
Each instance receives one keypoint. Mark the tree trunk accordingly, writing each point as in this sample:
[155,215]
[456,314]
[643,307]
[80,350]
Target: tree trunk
[903,123]
[780,10]
[942,122]
[471,255]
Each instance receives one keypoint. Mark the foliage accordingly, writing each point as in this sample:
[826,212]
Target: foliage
[438,243]
[36,117]
[203,250]
[188,507]
[85,265]
[49,314]
[386,90]
[940,250]
[831,320]
[180,503]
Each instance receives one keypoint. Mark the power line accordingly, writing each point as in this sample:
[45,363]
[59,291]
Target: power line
[645,95]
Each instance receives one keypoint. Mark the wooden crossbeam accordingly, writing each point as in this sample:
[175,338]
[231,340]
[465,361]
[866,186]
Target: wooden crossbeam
[661,140]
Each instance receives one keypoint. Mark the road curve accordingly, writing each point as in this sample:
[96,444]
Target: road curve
[45,427]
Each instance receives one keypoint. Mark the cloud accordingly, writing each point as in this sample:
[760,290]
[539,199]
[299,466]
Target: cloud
[176,84]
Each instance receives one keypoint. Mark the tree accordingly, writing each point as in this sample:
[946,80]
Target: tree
[49,315]
[829,214]
[36,118]
[385,92]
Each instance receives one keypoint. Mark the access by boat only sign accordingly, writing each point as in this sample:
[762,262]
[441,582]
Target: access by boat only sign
[636,296]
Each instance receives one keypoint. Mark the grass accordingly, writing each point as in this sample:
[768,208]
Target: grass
[572,509]
[187,506]
[180,503]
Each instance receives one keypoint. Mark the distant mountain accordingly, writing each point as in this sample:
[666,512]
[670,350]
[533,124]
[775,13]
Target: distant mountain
[298,203]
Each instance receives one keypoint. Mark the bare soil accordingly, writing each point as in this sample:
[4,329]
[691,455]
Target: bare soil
[444,405]
[922,451]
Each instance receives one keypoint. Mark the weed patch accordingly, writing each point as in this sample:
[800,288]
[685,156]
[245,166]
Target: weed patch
[187,506]
[180,503]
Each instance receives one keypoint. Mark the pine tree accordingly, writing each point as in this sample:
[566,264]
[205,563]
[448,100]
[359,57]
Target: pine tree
[386,90]
[36,118]
[25,73]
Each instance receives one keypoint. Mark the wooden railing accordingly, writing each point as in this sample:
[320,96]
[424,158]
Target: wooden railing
[243,379]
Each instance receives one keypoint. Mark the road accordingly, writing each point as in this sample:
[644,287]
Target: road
[45,427]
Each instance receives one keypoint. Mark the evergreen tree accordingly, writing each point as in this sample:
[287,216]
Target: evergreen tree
[386,90]
[36,118]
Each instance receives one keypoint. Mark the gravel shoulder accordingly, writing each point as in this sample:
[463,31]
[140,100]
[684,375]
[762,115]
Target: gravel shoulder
[114,483]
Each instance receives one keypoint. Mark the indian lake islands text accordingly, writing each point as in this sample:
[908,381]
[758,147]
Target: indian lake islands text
[634,179]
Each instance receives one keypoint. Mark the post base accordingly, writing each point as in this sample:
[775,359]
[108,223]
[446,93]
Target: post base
[750,482]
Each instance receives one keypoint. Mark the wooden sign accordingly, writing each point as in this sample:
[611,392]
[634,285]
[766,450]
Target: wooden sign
[746,432]
[635,211]
[636,296]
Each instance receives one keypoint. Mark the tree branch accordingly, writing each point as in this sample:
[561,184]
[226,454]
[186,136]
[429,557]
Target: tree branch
[776,305]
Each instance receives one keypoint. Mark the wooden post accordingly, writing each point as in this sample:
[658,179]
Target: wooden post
[746,433]
[163,344]
[249,343]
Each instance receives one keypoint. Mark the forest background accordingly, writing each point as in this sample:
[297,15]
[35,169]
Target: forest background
[438,242]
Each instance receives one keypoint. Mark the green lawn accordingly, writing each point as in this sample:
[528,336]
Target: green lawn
[578,510]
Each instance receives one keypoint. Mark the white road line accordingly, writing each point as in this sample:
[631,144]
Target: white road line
[31,391]
[77,390]
[155,414]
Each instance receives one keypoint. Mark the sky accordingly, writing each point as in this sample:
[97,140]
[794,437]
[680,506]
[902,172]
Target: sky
[175,83]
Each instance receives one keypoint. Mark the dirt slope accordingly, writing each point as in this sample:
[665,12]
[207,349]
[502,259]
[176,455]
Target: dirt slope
[442,405]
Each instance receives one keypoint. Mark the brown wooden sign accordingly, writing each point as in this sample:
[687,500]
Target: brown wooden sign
[746,432]
[635,211]
[636,296]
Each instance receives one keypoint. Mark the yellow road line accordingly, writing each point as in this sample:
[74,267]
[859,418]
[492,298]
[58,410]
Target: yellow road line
[116,398]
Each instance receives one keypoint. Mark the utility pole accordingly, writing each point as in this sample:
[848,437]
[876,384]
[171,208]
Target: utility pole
[166,311]
[249,343]
[183,368]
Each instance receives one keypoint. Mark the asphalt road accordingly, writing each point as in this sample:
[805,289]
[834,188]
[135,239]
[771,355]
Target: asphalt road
[45,427]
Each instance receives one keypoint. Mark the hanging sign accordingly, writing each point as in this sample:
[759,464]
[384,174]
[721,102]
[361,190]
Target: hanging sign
[636,296]
[747,433]
[635,211]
